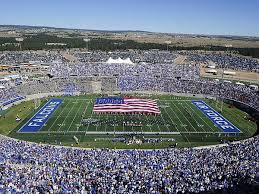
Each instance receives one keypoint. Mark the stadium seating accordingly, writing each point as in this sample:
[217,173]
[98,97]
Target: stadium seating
[34,168]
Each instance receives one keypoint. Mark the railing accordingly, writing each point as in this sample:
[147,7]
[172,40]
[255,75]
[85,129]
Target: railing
[5,103]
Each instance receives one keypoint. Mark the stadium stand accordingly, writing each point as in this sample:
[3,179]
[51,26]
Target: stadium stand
[30,168]
[226,90]
[225,60]
[34,168]
[9,96]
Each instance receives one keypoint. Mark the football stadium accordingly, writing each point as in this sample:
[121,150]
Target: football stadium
[110,116]
[129,97]
[119,104]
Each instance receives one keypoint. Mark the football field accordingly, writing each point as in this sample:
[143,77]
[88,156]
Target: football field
[66,118]
[178,115]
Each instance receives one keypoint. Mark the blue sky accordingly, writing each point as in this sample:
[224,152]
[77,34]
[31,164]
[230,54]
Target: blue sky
[226,17]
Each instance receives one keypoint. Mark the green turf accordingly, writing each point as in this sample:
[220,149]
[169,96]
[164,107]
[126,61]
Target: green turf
[178,115]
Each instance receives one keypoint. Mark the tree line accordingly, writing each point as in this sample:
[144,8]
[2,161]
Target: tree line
[38,42]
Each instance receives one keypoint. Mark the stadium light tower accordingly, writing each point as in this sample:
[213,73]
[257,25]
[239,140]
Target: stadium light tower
[167,44]
[87,40]
[20,40]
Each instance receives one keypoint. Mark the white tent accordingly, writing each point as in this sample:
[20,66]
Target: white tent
[111,60]
[239,83]
[119,61]
[128,61]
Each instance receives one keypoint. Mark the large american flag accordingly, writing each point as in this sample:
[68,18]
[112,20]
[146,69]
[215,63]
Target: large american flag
[125,105]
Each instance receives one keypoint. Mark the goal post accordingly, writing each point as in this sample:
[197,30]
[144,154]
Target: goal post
[37,103]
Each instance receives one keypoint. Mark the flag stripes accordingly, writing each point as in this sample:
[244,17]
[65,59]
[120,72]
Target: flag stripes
[126,105]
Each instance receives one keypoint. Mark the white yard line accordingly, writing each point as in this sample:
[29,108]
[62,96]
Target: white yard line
[141,128]
[123,127]
[75,116]
[175,100]
[84,113]
[171,119]
[132,129]
[199,117]
[164,121]
[66,116]
[185,117]
[58,115]
[114,123]
[79,99]
[121,132]
[178,117]
[157,125]
[149,125]
[96,126]
[105,128]
[88,124]
[197,123]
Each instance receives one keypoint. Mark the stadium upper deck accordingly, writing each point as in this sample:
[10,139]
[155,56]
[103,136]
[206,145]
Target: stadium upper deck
[152,70]
[137,56]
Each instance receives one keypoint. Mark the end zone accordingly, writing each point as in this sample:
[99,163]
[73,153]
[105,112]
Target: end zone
[41,117]
[215,117]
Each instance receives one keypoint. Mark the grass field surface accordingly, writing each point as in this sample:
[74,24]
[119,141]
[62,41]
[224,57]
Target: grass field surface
[179,120]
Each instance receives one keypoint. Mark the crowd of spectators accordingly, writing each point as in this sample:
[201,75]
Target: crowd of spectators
[145,74]
[56,85]
[36,86]
[220,60]
[35,168]
[16,57]
[126,70]
[137,56]
[153,56]
[226,61]
[7,94]
[228,90]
